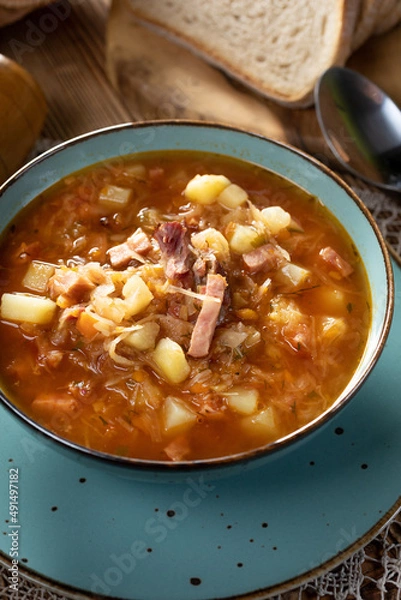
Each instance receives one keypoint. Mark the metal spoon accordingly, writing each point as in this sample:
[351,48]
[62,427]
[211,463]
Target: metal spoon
[361,125]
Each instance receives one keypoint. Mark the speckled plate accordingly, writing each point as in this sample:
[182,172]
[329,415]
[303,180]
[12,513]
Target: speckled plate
[87,532]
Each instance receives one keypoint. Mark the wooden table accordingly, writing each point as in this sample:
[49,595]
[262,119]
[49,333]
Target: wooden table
[65,51]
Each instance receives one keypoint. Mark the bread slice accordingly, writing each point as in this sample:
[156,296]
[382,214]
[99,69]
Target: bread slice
[277,47]
[159,79]
[375,17]
[368,15]
[389,18]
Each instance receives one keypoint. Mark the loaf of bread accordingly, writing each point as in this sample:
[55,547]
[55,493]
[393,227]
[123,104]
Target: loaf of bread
[13,10]
[277,47]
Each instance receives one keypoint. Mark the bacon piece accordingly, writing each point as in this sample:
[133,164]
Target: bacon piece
[49,357]
[175,328]
[174,247]
[72,286]
[334,260]
[205,325]
[178,448]
[48,404]
[122,254]
[264,258]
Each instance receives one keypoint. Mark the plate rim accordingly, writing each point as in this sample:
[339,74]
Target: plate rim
[258,594]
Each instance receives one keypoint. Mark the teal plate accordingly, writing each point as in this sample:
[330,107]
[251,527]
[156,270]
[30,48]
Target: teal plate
[83,531]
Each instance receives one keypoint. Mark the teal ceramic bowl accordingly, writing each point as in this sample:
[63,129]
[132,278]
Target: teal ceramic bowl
[301,169]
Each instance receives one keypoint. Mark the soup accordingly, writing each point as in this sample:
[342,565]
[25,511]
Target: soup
[178,306]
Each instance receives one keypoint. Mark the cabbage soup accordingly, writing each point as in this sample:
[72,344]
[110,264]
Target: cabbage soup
[178,306]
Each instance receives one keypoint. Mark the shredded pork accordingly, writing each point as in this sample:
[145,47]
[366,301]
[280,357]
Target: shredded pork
[173,241]
[134,248]
[205,325]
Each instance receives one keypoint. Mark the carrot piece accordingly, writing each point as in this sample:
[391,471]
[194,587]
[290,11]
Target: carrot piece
[197,388]
[247,314]
[139,376]
[86,325]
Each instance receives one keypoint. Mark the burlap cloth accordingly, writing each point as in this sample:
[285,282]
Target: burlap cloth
[82,94]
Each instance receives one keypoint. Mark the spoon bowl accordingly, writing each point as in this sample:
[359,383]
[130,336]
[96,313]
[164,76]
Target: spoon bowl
[361,125]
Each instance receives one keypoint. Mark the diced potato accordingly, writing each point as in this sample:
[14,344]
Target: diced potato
[276,218]
[143,338]
[177,417]
[137,171]
[170,359]
[137,295]
[232,196]
[332,328]
[204,189]
[332,300]
[261,424]
[27,308]
[293,275]
[37,276]
[244,239]
[211,239]
[243,400]
[114,197]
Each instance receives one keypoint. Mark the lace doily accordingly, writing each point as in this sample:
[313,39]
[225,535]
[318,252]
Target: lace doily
[373,571]
[385,209]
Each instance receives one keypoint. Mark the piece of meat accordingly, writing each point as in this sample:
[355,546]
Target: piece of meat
[175,328]
[72,285]
[52,404]
[122,254]
[334,260]
[207,264]
[265,258]
[49,357]
[173,241]
[206,322]
[178,448]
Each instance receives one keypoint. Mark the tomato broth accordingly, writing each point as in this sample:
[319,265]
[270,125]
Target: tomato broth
[178,306]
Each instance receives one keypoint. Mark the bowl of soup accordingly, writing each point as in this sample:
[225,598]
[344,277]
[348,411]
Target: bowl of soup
[181,295]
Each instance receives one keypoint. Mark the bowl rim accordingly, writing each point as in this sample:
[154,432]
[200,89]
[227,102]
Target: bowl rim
[261,452]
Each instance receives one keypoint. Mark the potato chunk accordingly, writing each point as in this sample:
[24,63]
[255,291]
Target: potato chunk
[333,300]
[114,197]
[137,295]
[232,196]
[244,239]
[204,189]
[243,400]
[171,360]
[37,276]
[293,275]
[145,337]
[261,424]
[177,417]
[27,308]
[211,240]
[276,218]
